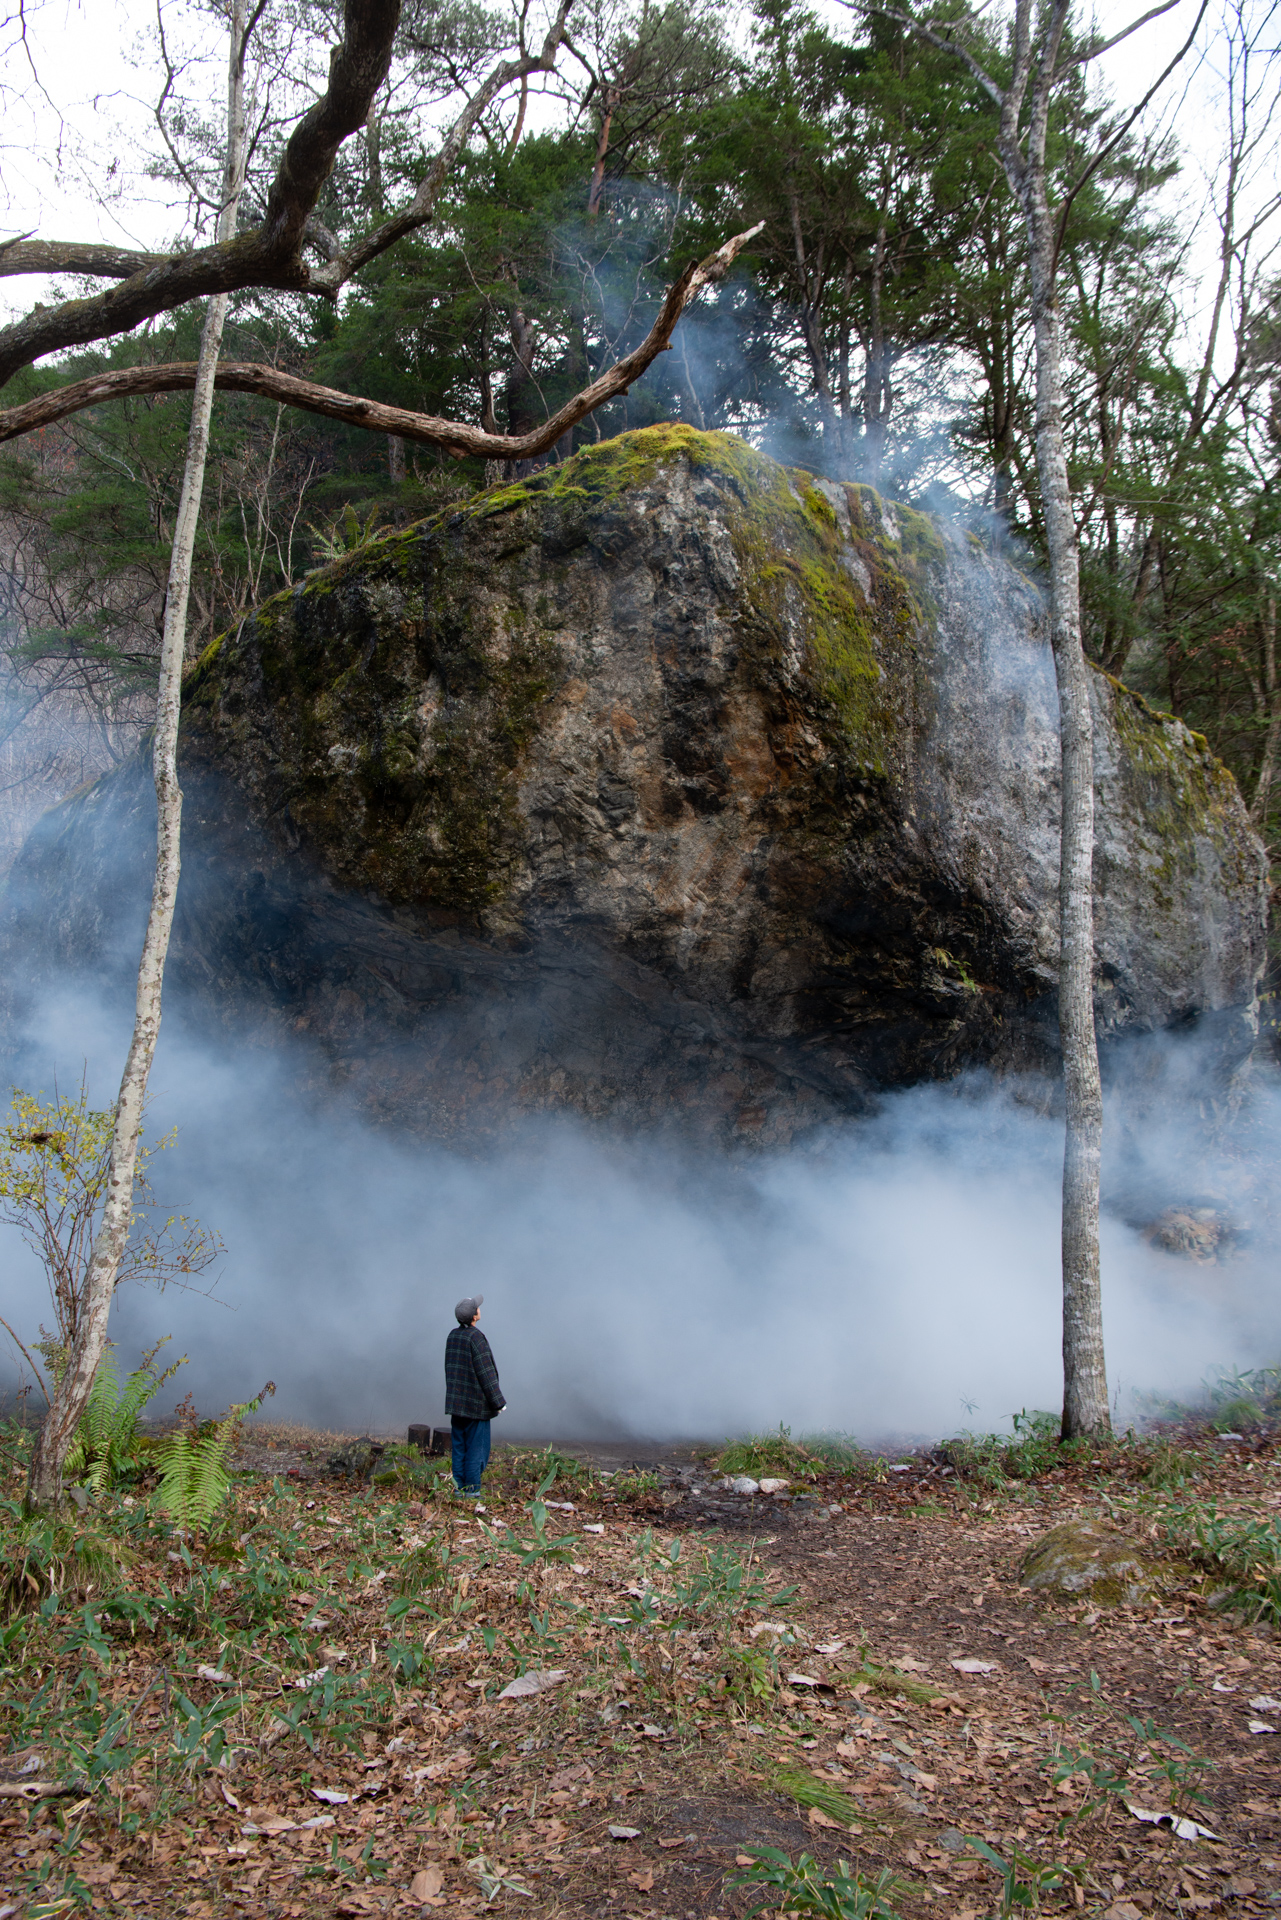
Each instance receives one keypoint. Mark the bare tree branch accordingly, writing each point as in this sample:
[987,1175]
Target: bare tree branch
[1111,145]
[75,256]
[268,255]
[454,437]
[329,278]
[1106,46]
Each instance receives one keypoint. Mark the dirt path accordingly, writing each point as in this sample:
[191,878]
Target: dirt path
[922,1593]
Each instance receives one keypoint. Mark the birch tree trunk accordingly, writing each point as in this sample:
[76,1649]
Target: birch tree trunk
[72,1394]
[1085,1388]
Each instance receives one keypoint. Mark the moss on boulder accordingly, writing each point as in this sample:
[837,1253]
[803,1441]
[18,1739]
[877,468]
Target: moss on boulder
[669,781]
[1086,1558]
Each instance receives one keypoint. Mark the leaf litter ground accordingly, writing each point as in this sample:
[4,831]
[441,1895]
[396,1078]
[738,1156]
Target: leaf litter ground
[302,1718]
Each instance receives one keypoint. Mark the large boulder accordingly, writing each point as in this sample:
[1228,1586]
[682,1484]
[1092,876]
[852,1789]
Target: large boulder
[668,784]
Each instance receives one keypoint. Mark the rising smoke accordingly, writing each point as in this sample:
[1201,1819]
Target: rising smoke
[896,1277]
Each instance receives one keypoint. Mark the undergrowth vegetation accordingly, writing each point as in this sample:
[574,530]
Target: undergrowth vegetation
[189,1633]
[765,1455]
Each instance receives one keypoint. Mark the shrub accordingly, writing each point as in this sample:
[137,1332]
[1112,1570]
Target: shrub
[1246,1553]
[770,1454]
[992,1459]
[54,1164]
[50,1556]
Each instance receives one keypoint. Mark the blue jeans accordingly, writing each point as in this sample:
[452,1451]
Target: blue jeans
[471,1452]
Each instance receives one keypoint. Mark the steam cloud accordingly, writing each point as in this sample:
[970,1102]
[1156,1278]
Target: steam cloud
[898,1277]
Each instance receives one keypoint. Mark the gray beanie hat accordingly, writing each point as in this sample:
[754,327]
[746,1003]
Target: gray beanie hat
[468,1309]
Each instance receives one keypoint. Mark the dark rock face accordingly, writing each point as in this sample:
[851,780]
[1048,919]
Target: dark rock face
[669,786]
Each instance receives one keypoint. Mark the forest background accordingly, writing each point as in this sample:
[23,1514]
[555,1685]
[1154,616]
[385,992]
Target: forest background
[878,330]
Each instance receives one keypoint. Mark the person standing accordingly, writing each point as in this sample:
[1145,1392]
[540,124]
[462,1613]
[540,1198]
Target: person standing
[472,1396]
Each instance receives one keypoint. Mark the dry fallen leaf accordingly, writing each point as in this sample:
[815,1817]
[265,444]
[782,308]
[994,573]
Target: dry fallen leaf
[1185,1829]
[426,1883]
[744,1860]
[818,1818]
[537,1680]
[643,1882]
[974,1666]
[624,1833]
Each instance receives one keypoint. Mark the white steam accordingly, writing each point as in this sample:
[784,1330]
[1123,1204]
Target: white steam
[883,1282]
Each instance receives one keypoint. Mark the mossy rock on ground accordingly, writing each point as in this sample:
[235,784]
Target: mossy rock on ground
[1085,1557]
[357,1459]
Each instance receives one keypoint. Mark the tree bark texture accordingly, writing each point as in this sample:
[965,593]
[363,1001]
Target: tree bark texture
[1085,1390]
[454,436]
[73,1389]
[1036,39]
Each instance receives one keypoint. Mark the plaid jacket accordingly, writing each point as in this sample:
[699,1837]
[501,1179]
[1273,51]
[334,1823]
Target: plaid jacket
[472,1391]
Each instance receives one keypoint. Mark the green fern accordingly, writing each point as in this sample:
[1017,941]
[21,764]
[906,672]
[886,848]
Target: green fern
[194,1480]
[107,1441]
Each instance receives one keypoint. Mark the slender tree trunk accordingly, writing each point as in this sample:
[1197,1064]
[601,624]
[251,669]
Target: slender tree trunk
[1272,739]
[596,192]
[1085,1387]
[876,388]
[522,395]
[1085,1390]
[811,279]
[72,1394]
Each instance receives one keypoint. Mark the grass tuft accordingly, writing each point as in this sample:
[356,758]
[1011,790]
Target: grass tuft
[889,1680]
[808,1790]
[778,1455]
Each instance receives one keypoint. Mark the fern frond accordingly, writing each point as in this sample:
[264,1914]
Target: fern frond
[194,1480]
[193,1477]
[107,1438]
